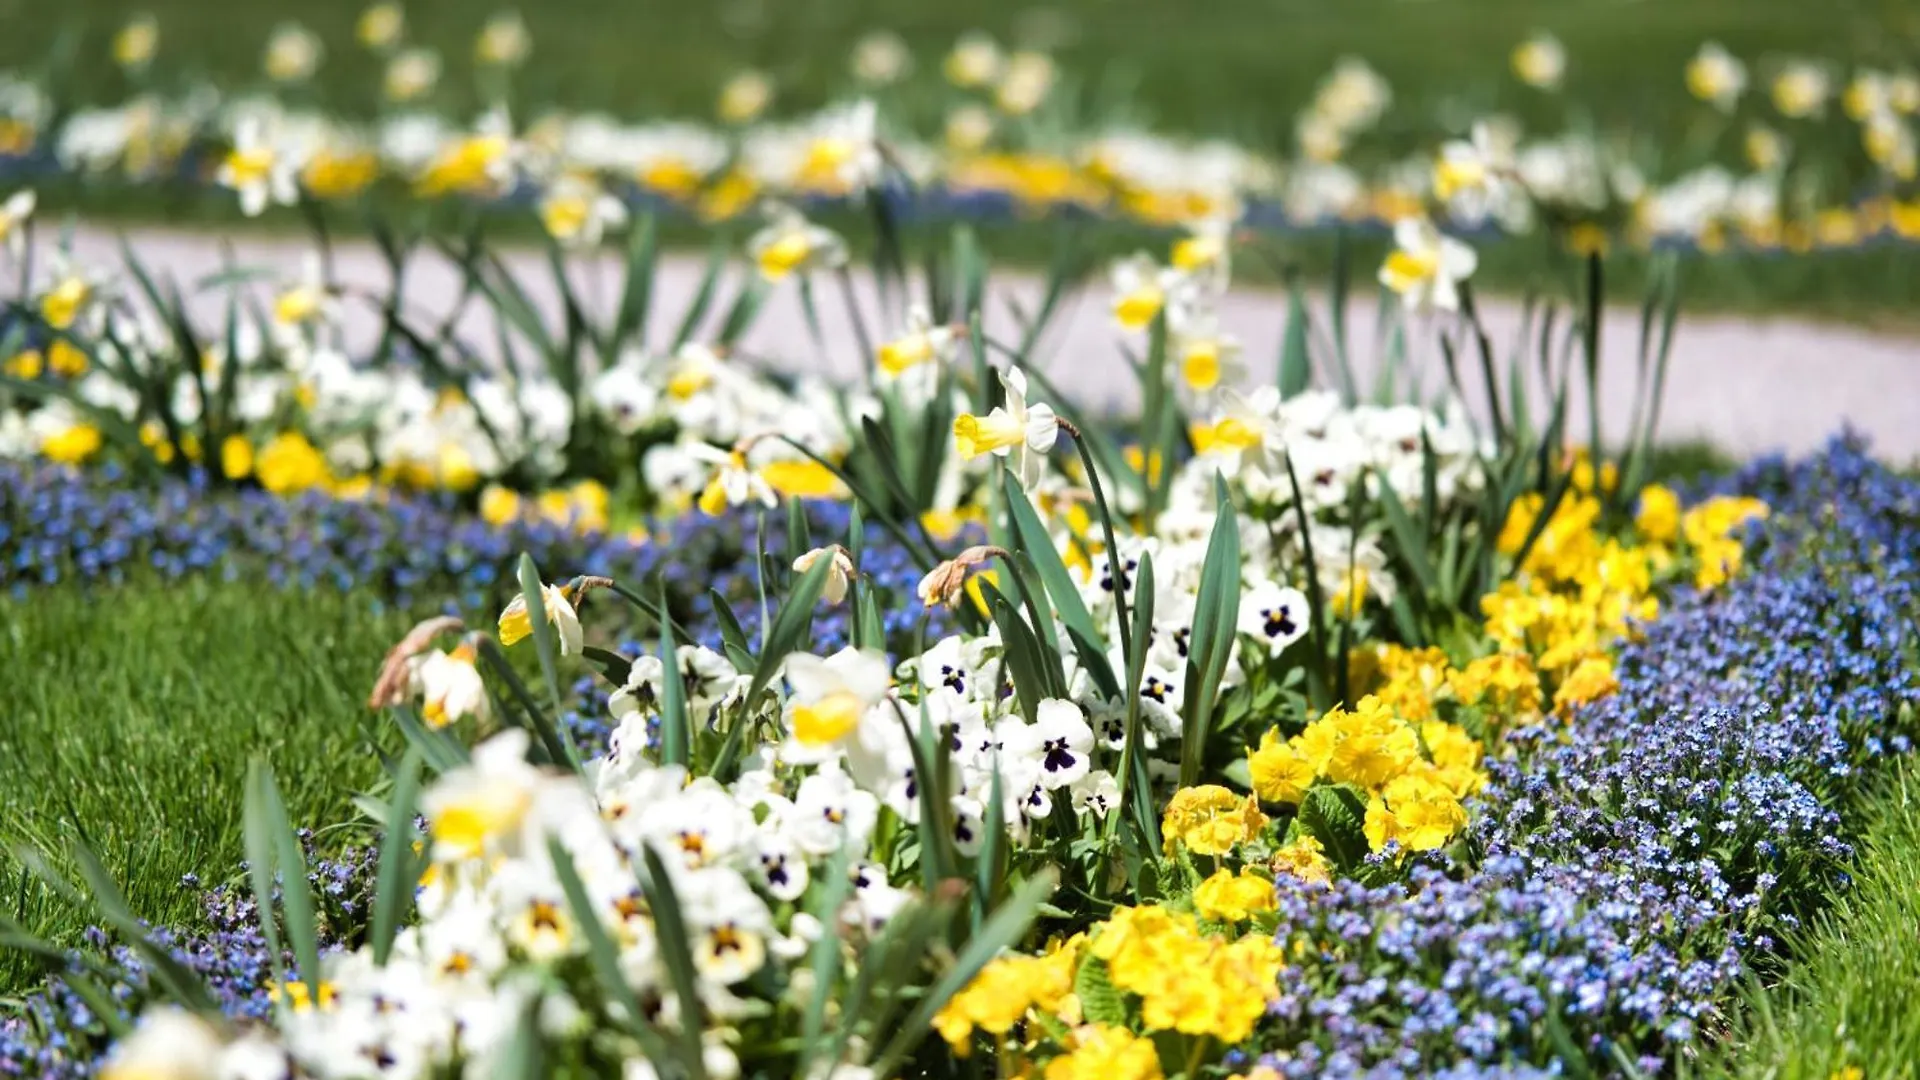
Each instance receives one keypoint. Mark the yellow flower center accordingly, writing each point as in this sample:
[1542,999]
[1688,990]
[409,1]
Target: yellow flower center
[1194,252]
[1200,365]
[247,168]
[565,217]
[785,255]
[62,305]
[899,355]
[1136,309]
[296,305]
[993,433]
[1406,269]
[802,480]
[827,720]
[671,176]
[465,827]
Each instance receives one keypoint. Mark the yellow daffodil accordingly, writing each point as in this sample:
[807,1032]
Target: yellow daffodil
[451,688]
[829,696]
[923,343]
[480,806]
[479,164]
[516,622]
[1140,291]
[732,483]
[1015,428]
[1801,89]
[71,445]
[257,171]
[802,478]
[63,304]
[974,62]
[839,575]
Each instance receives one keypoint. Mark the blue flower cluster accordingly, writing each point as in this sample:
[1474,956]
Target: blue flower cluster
[412,553]
[1631,870]
[54,1035]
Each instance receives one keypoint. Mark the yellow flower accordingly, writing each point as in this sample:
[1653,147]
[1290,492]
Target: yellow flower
[1540,61]
[975,61]
[1232,898]
[828,720]
[1504,684]
[990,434]
[1280,773]
[1415,811]
[236,457]
[516,622]
[1592,679]
[503,40]
[1304,859]
[289,463]
[1210,820]
[27,364]
[134,45]
[1139,292]
[803,479]
[64,302]
[1659,516]
[1005,991]
[72,445]
[745,97]
[380,25]
[1106,1052]
[298,998]
[1800,90]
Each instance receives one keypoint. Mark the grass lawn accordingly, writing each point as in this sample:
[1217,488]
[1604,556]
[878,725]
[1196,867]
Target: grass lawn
[1847,1003]
[132,714]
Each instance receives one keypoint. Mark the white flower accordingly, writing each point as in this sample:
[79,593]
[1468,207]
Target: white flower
[575,211]
[1140,289]
[169,1044]
[1426,267]
[732,482]
[923,343]
[1715,75]
[1541,61]
[1014,426]
[482,804]
[293,52]
[839,578]
[257,171]
[1096,793]
[1059,741]
[789,244]
[411,74]
[451,688]
[782,869]
[844,153]
[975,61]
[830,812]
[503,40]
[623,395]
[831,695]
[881,57]
[1273,614]
[13,217]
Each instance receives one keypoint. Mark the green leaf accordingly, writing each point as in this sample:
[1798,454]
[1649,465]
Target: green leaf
[1295,368]
[546,641]
[636,295]
[296,894]
[399,868]
[676,733]
[1033,541]
[1020,652]
[613,667]
[605,959]
[824,957]
[696,312]
[1336,815]
[1215,613]
[1100,1001]
[676,950]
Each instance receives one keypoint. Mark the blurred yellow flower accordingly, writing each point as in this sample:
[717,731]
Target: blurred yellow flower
[293,54]
[137,41]
[745,97]
[503,41]
[1540,61]
[380,25]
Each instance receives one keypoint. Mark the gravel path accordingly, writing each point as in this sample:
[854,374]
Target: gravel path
[1747,385]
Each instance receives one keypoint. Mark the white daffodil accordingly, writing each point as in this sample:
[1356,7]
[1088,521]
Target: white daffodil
[1014,426]
[923,343]
[503,41]
[411,74]
[257,171]
[1140,289]
[844,152]
[516,623]
[733,482]
[745,97]
[881,57]
[380,25]
[1426,267]
[13,220]
[1274,615]
[169,1043]
[839,577]
[451,688]
[293,54]
[1716,76]
[1024,83]
[136,42]
[1206,358]
[1541,61]
[480,806]
[577,212]
[974,62]
[1801,90]
[790,244]
[1481,162]
[829,696]
[306,302]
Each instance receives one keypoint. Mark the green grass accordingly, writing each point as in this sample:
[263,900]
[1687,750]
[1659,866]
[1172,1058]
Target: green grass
[1848,999]
[1240,68]
[132,714]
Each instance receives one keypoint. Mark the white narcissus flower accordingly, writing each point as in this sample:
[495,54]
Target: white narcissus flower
[516,624]
[451,688]
[839,578]
[732,483]
[1273,614]
[293,53]
[844,154]
[577,213]
[922,343]
[169,1044]
[1014,426]
[1541,61]
[790,244]
[1716,76]
[482,804]
[1426,267]
[830,695]
[13,217]
[257,171]
[411,73]
[1139,291]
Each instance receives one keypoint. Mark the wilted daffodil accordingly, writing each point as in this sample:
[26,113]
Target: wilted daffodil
[923,343]
[1027,432]
[1715,76]
[839,574]
[293,54]
[789,244]
[257,171]
[1426,267]
[516,622]
[135,44]
[1541,61]
[576,212]
[450,687]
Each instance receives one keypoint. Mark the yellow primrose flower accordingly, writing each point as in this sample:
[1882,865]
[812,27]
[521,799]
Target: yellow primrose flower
[1418,813]
[1591,680]
[1211,820]
[1715,76]
[236,457]
[503,41]
[745,97]
[380,25]
[71,445]
[1281,774]
[1106,1052]
[516,622]
[1006,991]
[288,463]
[1304,859]
[1232,898]
[1540,61]
[135,44]
[1658,519]
[293,53]
[790,244]
[65,359]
